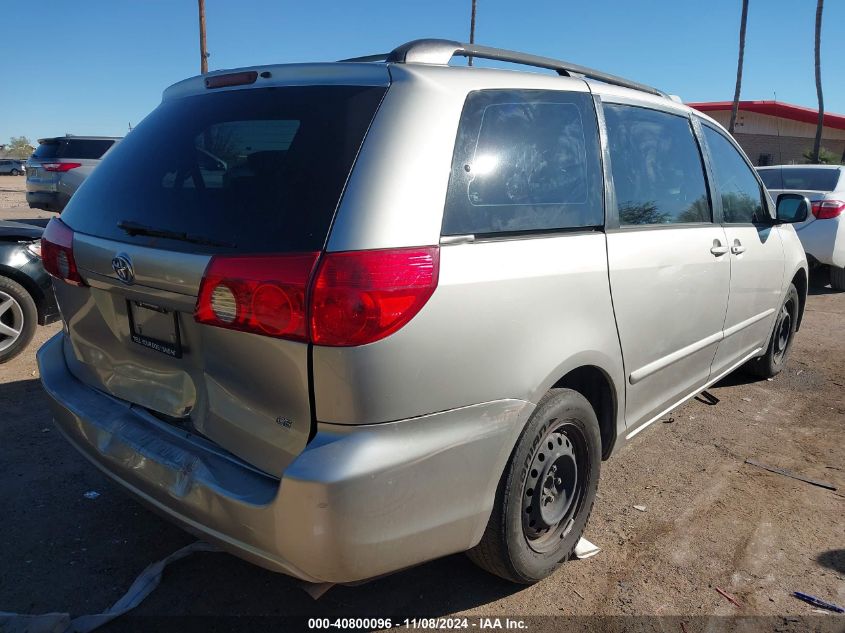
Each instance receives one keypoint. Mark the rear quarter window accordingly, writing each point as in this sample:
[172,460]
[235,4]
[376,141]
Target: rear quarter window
[525,160]
[46,150]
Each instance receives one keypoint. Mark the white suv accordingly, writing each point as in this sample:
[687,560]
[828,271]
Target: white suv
[823,233]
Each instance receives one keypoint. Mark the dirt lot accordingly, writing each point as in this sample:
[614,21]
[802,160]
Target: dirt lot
[10,192]
[13,204]
[710,520]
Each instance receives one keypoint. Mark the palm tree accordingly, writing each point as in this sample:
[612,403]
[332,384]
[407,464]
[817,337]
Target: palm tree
[820,123]
[471,30]
[735,107]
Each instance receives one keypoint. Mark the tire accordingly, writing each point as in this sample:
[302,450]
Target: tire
[18,318]
[15,172]
[533,527]
[773,361]
[837,278]
[819,276]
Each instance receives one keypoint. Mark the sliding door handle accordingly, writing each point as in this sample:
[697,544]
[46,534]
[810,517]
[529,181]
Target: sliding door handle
[717,249]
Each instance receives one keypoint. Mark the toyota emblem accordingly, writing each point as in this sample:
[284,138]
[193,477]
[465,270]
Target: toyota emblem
[122,266]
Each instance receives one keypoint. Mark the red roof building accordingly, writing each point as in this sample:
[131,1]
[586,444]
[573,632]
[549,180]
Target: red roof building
[777,133]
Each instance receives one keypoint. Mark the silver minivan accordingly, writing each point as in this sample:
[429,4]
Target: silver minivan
[59,166]
[344,318]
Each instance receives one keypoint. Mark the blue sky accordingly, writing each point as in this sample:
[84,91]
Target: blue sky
[93,67]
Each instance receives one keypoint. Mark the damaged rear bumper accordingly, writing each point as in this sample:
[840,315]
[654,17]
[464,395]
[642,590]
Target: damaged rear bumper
[358,502]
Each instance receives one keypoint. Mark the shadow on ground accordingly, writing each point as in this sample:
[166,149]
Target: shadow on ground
[822,290]
[833,559]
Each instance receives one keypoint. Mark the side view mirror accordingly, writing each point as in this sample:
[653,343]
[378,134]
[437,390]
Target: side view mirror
[792,208]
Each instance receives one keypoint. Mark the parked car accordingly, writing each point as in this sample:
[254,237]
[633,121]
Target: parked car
[59,166]
[823,233]
[12,167]
[416,311]
[26,291]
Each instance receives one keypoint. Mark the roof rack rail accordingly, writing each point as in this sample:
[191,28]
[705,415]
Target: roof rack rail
[434,51]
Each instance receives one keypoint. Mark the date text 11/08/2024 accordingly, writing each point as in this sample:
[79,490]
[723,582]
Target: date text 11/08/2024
[480,623]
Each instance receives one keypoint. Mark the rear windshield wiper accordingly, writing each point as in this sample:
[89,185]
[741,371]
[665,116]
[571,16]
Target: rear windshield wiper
[133,229]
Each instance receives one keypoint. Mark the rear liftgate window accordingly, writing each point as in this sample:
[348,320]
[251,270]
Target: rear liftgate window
[254,170]
[807,179]
[525,160]
[86,149]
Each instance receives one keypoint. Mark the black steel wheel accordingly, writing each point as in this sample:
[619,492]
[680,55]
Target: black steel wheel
[773,360]
[783,331]
[546,492]
[555,487]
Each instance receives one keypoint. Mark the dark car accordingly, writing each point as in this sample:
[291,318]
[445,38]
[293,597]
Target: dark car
[26,294]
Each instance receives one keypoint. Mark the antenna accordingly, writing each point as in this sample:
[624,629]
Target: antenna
[471,31]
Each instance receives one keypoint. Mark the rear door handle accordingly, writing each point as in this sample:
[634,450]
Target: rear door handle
[717,249]
[737,248]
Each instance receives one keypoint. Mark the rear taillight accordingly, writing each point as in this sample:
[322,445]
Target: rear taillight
[59,166]
[257,293]
[362,296]
[57,252]
[353,298]
[827,209]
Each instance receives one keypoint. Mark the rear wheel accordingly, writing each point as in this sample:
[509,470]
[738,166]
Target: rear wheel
[777,353]
[15,172]
[837,278]
[18,318]
[546,493]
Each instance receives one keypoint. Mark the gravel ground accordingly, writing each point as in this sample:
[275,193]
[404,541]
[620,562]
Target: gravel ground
[11,188]
[710,520]
[13,204]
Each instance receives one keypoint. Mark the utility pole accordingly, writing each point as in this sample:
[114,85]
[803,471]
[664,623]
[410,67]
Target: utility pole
[735,106]
[203,51]
[817,144]
[472,30]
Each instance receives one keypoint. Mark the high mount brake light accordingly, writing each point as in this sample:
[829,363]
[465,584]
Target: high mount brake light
[828,209]
[231,79]
[60,167]
[57,253]
[343,300]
